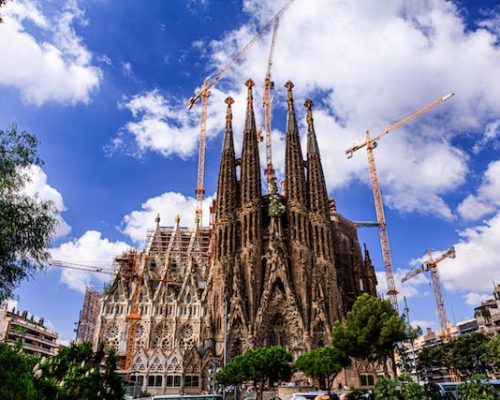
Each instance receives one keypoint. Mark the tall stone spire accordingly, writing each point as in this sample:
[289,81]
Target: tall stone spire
[297,213]
[294,162]
[250,166]
[316,187]
[227,201]
[251,209]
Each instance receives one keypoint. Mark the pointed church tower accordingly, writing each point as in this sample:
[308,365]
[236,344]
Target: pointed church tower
[297,212]
[324,273]
[251,209]
[225,234]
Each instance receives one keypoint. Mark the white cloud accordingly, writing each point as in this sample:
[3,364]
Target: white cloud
[487,199]
[416,51]
[476,264]
[89,249]
[52,66]
[168,205]
[11,303]
[163,124]
[38,187]
[415,287]
[474,299]
[490,134]
[424,325]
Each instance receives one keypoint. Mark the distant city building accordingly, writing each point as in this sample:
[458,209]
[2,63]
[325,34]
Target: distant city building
[35,337]
[488,313]
[88,316]
[274,269]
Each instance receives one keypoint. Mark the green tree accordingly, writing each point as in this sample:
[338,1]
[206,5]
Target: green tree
[430,358]
[491,353]
[78,373]
[372,330]
[26,223]
[464,354]
[386,389]
[16,380]
[259,365]
[477,389]
[323,364]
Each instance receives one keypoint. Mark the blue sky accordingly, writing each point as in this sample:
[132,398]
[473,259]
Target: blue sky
[103,85]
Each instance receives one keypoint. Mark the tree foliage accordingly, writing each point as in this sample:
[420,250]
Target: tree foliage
[372,330]
[76,373]
[491,353]
[323,363]
[477,389]
[26,223]
[16,380]
[79,373]
[466,355]
[259,366]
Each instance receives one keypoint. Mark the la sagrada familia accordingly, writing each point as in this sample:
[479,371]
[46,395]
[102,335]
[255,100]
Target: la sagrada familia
[274,269]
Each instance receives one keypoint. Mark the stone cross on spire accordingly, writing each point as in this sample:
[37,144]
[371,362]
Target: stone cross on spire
[229,113]
[249,84]
[289,86]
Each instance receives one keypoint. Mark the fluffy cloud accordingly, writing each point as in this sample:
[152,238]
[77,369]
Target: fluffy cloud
[424,325]
[411,288]
[476,264]
[89,249]
[415,52]
[487,199]
[38,187]
[168,205]
[474,299]
[163,124]
[52,65]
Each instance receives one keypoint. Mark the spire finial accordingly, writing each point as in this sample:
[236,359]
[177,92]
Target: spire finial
[177,218]
[157,219]
[229,113]
[289,87]
[249,84]
[309,105]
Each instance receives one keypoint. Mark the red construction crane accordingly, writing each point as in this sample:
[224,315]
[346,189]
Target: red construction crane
[204,93]
[371,143]
[431,266]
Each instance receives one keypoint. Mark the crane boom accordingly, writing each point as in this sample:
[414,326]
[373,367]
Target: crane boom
[400,123]
[431,266]
[81,267]
[370,144]
[268,101]
[204,93]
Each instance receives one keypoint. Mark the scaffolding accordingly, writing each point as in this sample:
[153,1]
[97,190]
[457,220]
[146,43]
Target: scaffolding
[88,316]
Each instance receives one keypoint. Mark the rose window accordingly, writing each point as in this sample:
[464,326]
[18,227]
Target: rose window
[161,335]
[186,336]
[112,331]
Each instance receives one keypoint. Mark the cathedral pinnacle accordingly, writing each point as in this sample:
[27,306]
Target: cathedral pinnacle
[249,84]
[312,143]
[289,85]
[229,113]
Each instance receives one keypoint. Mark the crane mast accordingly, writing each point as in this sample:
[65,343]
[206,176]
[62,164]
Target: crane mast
[370,144]
[267,103]
[204,93]
[431,266]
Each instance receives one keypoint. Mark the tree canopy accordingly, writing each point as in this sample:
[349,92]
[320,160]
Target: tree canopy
[26,223]
[372,330]
[258,366]
[323,363]
[76,373]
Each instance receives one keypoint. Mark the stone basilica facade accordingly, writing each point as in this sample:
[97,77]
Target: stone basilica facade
[272,269]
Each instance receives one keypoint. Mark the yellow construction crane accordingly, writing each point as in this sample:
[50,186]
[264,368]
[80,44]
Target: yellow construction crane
[431,266]
[204,93]
[371,143]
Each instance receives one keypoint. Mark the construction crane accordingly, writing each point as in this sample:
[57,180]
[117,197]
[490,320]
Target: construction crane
[371,143]
[431,266]
[204,93]
[267,104]
[82,267]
